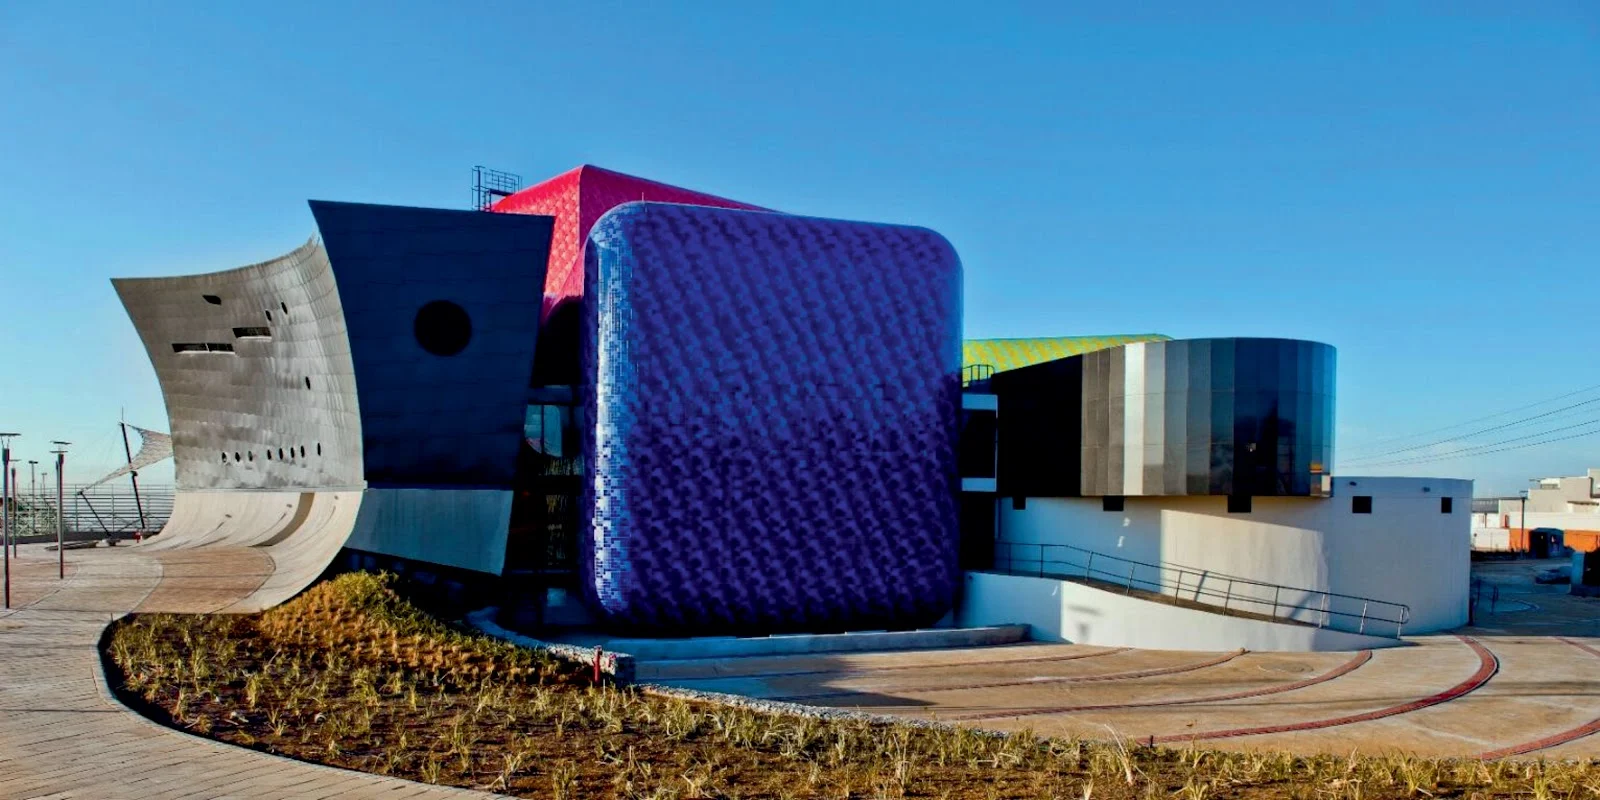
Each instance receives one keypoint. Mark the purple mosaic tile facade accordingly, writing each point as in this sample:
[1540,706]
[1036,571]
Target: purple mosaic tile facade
[773,406]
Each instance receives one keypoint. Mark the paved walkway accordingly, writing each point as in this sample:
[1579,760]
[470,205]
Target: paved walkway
[1525,681]
[62,736]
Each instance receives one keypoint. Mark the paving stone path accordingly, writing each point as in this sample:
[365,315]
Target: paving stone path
[63,736]
[1525,682]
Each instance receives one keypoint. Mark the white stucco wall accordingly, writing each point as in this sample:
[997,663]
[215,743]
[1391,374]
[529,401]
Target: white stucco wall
[1063,611]
[1491,540]
[1583,520]
[1405,551]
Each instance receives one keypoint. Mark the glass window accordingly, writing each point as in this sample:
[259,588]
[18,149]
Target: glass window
[1361,504]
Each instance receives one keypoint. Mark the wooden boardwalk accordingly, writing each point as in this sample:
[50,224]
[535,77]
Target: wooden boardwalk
[63,736]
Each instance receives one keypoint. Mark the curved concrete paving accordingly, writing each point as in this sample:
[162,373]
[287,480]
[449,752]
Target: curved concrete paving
[63,736]
[1520,683]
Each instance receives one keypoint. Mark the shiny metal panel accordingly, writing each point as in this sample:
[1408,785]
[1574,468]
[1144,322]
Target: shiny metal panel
[444,416]
[276,412]
[1185,417]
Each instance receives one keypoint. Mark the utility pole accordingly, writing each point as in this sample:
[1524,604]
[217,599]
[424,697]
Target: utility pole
[6,533]
[61,505]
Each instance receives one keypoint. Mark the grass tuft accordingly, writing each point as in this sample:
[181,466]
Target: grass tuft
[351,674]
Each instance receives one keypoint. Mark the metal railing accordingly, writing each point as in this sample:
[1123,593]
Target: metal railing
[975,374]
[1227,593]
[90,510]
[1481,591]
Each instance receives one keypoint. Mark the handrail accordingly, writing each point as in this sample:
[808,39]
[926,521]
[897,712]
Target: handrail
[1206,587]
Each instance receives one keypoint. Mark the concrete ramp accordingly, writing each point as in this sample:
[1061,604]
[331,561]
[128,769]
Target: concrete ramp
[246,551]
[1061,610]
[201,519]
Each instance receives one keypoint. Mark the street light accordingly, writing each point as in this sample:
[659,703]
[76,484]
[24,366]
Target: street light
[6,534]
[61,505]
[33,499]
[1527,540]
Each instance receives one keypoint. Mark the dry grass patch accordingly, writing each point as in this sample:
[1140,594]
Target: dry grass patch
[349,674]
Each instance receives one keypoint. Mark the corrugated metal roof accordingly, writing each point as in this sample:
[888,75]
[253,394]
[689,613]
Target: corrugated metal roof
[1004,354]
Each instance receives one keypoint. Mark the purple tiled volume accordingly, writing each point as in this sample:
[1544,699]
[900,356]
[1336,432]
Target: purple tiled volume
[773,411]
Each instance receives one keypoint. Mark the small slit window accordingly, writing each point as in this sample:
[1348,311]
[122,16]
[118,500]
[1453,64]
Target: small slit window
[308,381]
[253,332]
[236,457]
[269,313]
[269,454]
[1112,503]
[284,306]
[1019,503]
[1238,504]
[212,299]
[1445,505]
[280,454]
[201,347]
[319,448]
[224,458]
[302,451]
[1361,504]
[250,456]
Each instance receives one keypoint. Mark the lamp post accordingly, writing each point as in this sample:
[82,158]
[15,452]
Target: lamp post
[1524,523]
[33,499]
[6,534]
[61,505]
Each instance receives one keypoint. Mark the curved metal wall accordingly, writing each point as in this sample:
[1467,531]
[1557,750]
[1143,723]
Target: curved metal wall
[772,421]
[256,373]
[452,415]
[1187,417]
[260,369]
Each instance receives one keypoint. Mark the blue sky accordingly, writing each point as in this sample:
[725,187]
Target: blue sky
[1418,185]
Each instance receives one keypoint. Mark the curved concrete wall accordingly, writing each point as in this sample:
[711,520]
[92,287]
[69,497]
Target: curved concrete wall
[1405,551]
[299,532]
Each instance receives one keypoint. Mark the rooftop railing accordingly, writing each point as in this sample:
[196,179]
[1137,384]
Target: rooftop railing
[976,374]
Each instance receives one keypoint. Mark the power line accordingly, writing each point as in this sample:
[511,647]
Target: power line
[1491,429]
[1481,449]
[1383,442]
[1507,449]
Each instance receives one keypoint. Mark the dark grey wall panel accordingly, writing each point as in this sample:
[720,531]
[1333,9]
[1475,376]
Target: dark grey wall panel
[1187,417]
[442,397]
[253,411]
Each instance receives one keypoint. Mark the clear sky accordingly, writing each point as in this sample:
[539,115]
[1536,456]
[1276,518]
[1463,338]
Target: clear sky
[1418,185]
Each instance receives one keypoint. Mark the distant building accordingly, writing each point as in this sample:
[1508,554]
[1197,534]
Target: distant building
[1567,505]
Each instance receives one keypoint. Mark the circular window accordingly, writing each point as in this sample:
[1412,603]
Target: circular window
[443,328]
